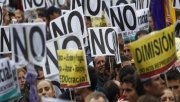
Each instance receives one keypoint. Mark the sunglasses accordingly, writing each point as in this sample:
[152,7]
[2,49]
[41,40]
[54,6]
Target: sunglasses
[127,50]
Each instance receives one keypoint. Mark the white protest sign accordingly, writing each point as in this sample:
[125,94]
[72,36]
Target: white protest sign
[56,3]
[8,89]
[5,44]
[116,47]
[100,40]
[14,21]
[1,14]
[90,7]
[44,99]
[64,12]
[105,5]
[28,43]
[176,4]
[177,28]
[124,17]
[143,19]
[142,4]
[51,66]
[72,21]
[33,4]
[5,2]
[121,2]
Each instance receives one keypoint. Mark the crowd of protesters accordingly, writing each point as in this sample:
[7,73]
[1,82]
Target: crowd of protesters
[110,82]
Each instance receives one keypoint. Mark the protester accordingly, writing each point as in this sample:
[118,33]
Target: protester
[19,16]
[168,96]
[151,24]
[96,97]
[30,16]
[140,34]
[21,76]
[148,98]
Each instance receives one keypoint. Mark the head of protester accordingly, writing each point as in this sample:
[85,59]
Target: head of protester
[151,24]
[30,16]
[140,34]
[173,77]
[21,77]
[168,96]
[19,16]
[148,98]
[52,13]
[126,49]
[96,97]
[45,88]
[125,60]
[129,89]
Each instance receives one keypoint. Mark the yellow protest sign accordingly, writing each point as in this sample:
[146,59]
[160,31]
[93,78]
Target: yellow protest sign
[72,68]
[99,22]
[155,53]
[178,51]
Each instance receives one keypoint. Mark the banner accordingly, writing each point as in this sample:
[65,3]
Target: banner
[28,43]
[100,40]
[124,17]
[72,68]
[33,4]
[5,41]
[99,22]
[178,51]
[155,53]
[8,89]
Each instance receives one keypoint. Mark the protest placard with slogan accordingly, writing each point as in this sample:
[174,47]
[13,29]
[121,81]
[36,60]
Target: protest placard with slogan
[70,22]
[1,14]
[124,17]
[5,2]
[176,4]
[90,7]
[33,4]
[105,5]
[56,3]
[5,44]
[178,51]
[116,47]
[120,2]
[143,19]
[100,39]
[28,43]
[142,4]
[8,90]
[72,68]
[155,53]
[99,22]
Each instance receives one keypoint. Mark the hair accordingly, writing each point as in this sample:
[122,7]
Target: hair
[140,33]
[30,15]
[147,98]
[112,88]
[138,85]
[21,70]
[129,79]
[127,69]
[175,97]
[96,95]
[41,14]
[124,58]
[113,74]
[173,75]
[92,77]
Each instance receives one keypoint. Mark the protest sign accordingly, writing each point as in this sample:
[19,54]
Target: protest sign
[155,53]
[90,7]
[178,51]
[5,2]
[177,28]
[1,14]
[28,43]
[99,22]
[72,21]
[33,4]
[143,19]
[46,99]
[56,3]
[123,17]
[72,68]
[100,40]
[7,88]
[176,4]
[116,47]
[5,44]
[64,12]
[105,5]
[121,2]
[142,4]
[72,41]
[14,21]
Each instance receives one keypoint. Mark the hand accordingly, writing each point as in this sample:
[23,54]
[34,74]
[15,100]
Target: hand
[168,20]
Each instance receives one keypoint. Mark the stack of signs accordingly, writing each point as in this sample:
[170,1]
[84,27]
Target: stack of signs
[28,44]
[8,90]
[33,4]
[155,53]
[72,61]
[124,17]
[100,39]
